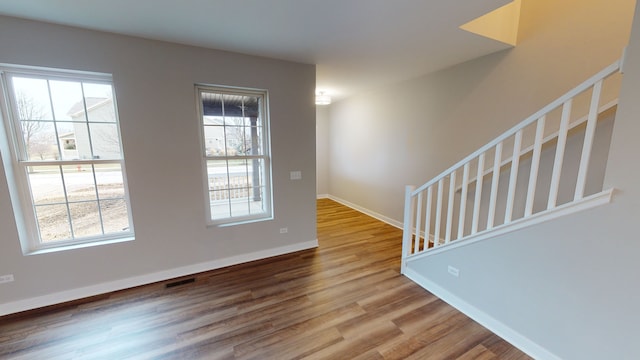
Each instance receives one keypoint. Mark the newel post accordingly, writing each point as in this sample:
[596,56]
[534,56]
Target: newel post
[408,226]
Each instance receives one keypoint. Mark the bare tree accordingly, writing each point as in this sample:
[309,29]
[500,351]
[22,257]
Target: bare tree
[237,136]
[41,144]
[30,112]
[108,140]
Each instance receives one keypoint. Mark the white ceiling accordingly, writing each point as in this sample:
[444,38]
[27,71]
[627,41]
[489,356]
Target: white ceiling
[356,44]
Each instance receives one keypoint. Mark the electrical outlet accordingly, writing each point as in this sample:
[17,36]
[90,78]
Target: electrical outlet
[284,230]
[6,278]
[295,175]
[453,271]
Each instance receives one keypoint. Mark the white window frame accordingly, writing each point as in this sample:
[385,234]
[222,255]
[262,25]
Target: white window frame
[16,163]
[264,156]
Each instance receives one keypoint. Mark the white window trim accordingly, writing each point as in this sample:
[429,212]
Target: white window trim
[266,144]
[12,146]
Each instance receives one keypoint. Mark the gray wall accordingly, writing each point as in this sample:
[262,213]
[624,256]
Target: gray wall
[154,84]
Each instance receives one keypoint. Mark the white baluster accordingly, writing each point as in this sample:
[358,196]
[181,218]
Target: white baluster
[408,219]
[463,200]
[589,134]
[416,238]
[436,239]
[494,186]
[513,177]
[452,193]
[557,164]
[478,197]
[427,221]
[535,166]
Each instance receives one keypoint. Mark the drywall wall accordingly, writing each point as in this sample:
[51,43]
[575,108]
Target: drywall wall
[154,83]
[407,133]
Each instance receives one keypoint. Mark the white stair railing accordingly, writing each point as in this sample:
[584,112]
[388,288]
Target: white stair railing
[450,209]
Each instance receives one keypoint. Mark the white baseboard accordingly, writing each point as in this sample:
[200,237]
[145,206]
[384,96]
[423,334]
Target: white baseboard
[366,211]
[111,286]
[322,196]
[508,334]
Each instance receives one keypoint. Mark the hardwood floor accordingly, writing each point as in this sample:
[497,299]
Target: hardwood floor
[344,300]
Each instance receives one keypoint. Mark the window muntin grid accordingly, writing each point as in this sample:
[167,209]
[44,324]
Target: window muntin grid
[65,140]
[235,154]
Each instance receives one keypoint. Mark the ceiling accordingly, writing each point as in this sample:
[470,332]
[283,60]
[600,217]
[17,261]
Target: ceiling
[356,44]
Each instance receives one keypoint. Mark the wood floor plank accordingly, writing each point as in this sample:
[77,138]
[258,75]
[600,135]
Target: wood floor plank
[361,344]
[478,352]
[343,300]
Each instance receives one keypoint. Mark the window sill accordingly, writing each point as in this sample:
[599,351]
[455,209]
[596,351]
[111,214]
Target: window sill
[211,224]
[53,249]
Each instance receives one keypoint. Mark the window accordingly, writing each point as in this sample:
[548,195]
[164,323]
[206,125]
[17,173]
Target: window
[235,153]
[68,170]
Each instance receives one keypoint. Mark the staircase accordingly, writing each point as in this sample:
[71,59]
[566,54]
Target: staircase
[549,165]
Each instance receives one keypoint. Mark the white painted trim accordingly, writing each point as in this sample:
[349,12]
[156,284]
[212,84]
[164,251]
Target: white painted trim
[111,286]
[497,327]
[322,196]
[588,202]
[263,142]
[365,211]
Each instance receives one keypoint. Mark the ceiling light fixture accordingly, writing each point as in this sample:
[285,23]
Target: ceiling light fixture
[323,99]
